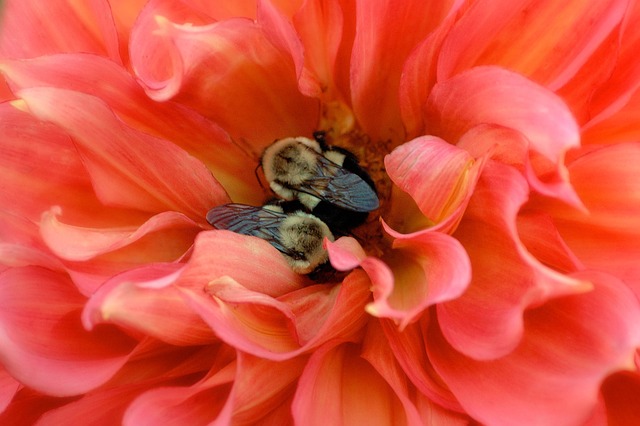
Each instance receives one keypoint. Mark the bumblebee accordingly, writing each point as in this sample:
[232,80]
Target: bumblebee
[327,180]
[297,235]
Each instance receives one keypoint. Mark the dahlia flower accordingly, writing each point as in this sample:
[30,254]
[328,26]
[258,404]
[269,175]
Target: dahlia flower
[497,283]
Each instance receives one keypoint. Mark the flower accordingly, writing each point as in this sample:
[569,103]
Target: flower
[497,283]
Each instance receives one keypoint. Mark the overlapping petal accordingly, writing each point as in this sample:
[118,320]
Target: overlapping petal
[44,345]
[127,167]
[228,71]
[572,343]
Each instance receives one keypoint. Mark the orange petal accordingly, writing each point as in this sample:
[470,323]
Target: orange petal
[547,41]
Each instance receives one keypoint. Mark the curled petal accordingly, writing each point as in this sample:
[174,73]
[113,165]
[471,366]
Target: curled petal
[438,176]
[31,28]
[44,344]
[486,322]
[79,243]
[128,168]
[503,33]
[256,95]
[569,346]
[144,300]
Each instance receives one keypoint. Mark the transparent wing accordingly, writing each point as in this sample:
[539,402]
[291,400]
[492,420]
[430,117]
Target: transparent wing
[340,187]
[249,220]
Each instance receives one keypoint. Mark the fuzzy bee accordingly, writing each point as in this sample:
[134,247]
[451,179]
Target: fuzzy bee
[327,180]
[297,235]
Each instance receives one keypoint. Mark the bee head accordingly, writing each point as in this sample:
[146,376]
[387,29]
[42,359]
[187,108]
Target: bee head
[302,235]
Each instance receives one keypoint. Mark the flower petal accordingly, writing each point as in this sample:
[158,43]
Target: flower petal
[490,95]
[620,392]
[486,322]
[570,345]
[128,168]
[145,301]
[168,120]
[548,42]
[338,386]
[44,344]
[79,243]
[8,388]
[385,35]
[32,28]
[438,176]
[256,94]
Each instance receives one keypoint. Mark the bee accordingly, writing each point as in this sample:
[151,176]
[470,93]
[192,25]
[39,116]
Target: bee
[327,180]
[297,235]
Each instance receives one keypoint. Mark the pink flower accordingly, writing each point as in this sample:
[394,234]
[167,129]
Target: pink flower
[497,283]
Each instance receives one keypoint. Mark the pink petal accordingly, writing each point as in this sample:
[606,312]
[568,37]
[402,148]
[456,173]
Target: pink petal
[45,346]
[144,300]
[385,35]
[486,322]
[490,95]
[338,386]
[569,346]
[128,168]
[79,243]
[33,28]
[168,120]
[438,176]
[548,41]
[408,347]
[256,94]
[250,261]
[155,366]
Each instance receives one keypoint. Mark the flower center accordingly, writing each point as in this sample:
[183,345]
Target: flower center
[371,158]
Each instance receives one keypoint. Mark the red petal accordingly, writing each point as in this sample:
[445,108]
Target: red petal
[547,41]
[128,168]
[486,322]
[385,35]
[168,120]
[569,346]
[33,28]
[45,346]
[621,394]
[8,388]
[255,85]
[145,300]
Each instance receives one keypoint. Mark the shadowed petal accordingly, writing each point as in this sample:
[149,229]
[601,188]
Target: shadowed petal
[569,346]
[548,42]
[44,345]
[621,394]
[128,168]
[385,35]
[8,388]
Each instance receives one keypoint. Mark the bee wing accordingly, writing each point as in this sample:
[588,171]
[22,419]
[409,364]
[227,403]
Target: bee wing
[249,220]
[341,187]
